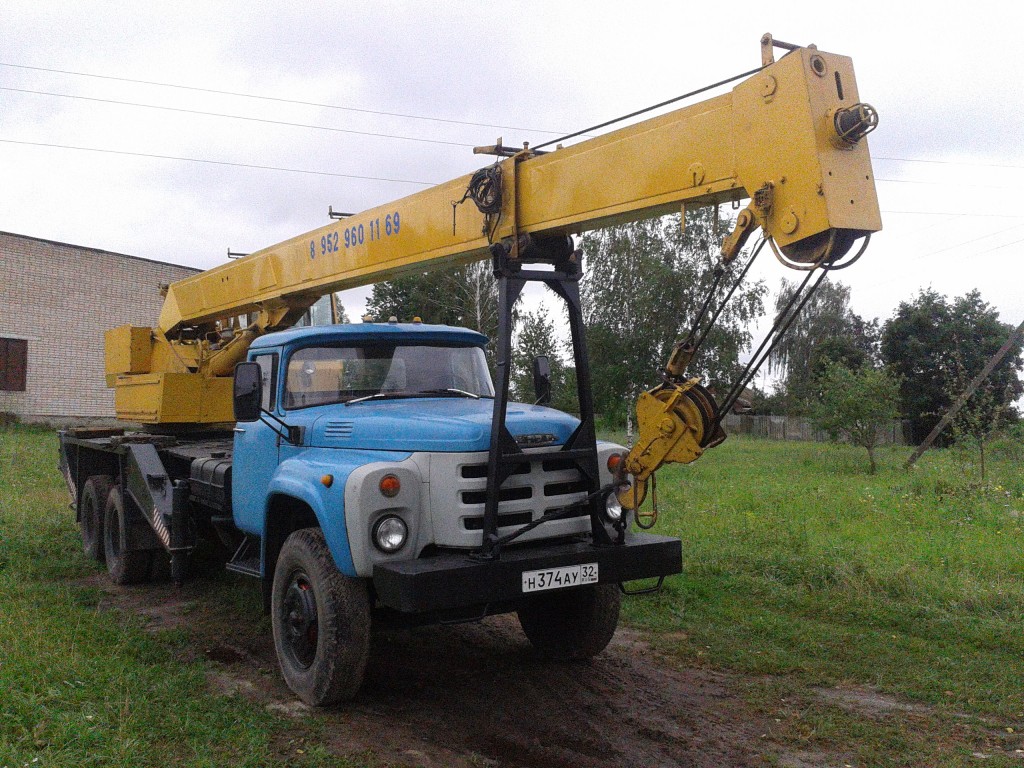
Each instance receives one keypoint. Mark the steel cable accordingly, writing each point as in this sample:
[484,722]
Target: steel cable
[782,324]
[728,296]
[665,103]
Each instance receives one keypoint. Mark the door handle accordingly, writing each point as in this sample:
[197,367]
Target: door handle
[239,430]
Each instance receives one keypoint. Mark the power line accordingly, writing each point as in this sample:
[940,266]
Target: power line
[355,132]
[957,213]
[944,183]
[275,98]
[968,242]
[959,245]
[997,247]
[660,104]
[217,162]
[405,115]
[236,117]
[945,162]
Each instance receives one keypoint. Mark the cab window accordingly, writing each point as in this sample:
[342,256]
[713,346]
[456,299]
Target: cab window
[268,374]
[321,375]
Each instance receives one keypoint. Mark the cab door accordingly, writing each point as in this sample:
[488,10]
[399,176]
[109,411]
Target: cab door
[256,455]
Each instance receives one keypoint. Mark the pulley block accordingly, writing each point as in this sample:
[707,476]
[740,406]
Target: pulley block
[675,423]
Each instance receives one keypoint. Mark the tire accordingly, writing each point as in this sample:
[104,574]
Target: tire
[90,514]
[574,624]
[321,621]
[125,566]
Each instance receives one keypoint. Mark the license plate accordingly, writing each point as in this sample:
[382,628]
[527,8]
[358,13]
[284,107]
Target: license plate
[557,578]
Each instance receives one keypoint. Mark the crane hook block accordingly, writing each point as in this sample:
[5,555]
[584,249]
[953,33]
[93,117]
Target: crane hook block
[675,424]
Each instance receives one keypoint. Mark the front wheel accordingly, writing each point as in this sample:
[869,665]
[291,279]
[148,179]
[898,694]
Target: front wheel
[321,621]
[572,624]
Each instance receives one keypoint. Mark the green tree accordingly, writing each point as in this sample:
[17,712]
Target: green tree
[461,296]
[857,405]
[537,336]
[407,297]
[932,344]
[826,331]
[322,312]
[643,286]
[980,418]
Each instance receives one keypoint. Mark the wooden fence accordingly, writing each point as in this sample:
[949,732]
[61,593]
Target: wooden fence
[796,428]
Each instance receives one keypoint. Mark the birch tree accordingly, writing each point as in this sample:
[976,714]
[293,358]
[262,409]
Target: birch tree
[644,284]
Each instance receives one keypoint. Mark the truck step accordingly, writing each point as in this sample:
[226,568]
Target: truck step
[245,567]
[246,559]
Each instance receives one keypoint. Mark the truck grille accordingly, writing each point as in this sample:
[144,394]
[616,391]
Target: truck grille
[472,471]
[516,518]
[505,494]
[535,488]
[458,492]
[566,488]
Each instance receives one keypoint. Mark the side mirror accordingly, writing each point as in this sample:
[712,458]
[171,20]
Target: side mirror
[542,380]
[248,392]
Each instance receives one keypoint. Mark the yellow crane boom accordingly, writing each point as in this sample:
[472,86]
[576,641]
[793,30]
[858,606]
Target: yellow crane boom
[789,137]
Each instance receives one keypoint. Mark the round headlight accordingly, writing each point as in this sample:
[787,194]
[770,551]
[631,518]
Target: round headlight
[612,507]
[390,533]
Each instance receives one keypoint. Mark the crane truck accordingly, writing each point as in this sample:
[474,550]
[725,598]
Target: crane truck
[373,472]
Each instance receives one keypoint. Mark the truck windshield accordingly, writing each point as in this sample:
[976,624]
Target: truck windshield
[321,375]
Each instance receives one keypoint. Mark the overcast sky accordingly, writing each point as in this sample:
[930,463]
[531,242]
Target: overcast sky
[945,78]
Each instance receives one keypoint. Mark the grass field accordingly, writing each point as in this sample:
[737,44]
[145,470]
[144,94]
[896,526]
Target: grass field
[803,575]
[85,687]
[800,566]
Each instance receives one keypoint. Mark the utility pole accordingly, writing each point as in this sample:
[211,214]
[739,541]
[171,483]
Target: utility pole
[965,396]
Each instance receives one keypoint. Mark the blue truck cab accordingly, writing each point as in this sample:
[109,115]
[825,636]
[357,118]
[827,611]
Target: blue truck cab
[359,485]
[394,427]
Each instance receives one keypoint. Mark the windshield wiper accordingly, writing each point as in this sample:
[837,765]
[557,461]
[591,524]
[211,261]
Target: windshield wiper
[381,396]
[449,391]
[419,393]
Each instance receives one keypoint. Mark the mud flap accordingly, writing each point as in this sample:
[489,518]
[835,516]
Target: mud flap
[160,503]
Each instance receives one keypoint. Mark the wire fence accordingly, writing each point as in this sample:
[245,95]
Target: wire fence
[799,428]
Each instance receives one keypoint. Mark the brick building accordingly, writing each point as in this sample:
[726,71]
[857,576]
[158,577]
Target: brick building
[56,302]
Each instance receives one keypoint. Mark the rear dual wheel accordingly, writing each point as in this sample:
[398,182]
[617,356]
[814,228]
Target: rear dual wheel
[91,507]
[124,564]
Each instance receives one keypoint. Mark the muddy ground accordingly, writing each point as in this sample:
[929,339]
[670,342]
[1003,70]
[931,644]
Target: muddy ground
[476,695]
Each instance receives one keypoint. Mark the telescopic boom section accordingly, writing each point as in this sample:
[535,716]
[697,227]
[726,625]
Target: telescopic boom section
[788,137]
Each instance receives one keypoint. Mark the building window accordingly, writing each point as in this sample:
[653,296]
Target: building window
[13,362]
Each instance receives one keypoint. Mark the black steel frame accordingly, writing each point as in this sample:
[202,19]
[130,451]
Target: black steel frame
[581,447]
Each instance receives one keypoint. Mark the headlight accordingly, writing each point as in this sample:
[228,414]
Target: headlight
[390,533]
[612,507]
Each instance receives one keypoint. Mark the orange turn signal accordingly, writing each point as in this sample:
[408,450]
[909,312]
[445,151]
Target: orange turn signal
[390,486]
[614,462]
[327,480]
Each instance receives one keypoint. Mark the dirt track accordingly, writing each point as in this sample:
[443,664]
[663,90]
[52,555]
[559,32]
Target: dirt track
[475,694]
